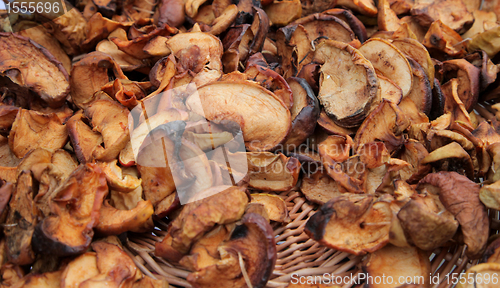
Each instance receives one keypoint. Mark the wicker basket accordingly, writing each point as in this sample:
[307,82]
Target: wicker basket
[297,253]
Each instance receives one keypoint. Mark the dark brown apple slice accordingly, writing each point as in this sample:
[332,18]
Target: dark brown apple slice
[304,112]
[356,25]
[421,91]
[348,83]
[354,223]
[468,77]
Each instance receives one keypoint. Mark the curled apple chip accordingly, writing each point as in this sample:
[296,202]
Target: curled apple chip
[468,77]
[356,224]
[114,221]
[421,89]
[32,129]
[75,211]
[29,65]
[200,216]
[356,25]
[365,7]
[348,83]
[248,256]
[326,25]
[21,221]
[224,100]
[442,38]
[385,123]
[88,76]
[320,188]
[426,222]
[389,90]
[274,205]
[111,120]
[460,196]
[80,269]
[389,61]
[398,263]
[490,195]
[283,12]
[453,13]
[116,180]
[413,49]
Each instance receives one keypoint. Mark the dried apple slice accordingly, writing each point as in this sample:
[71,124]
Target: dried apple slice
[365,7]
[348,83]
[75,211]
[198,217]
[270,80]
[442,38]
[32,129]
[484,273]
[283,13]
[274,205]
[31,66]
[386,123]
[83,140]
[451,157]
[236,46]
[388,61]
[356,25]
[327,124]
[398,263]
[490,195]
[224,101]
[94,69]
[421,90]
[79,270]
[355,224]
[21,221]
[209,58]
[116,180]
[111,120]
[468,77]
[387,19]
[453,13]
[251,247]
[114,221]
[389,90]
[320,188]
[460,196]
[304,112]
[413,49]
[427,224]
[325,25]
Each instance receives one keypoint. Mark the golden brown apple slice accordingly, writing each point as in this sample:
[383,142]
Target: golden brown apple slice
[320,188]
[31,66]
[245,103]
[326,25]
[356,25]
[284,12]
[468,77]
[387,19]
[480,273]
[442,38]
[355,224]
[398,263]
[415,50]
[75,211]
[453,13]
[79,270]
[348,83]
[365,7]
[274,205]
[388,61]
[389,90]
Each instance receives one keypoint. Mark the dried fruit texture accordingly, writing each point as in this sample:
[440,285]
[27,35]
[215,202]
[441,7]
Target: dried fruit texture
[223,101]
[111,120]
[365,7]
[348,83]
[486,270]
[99,27]
[460,196]
[41,36]
[88,76]
[397,262]
[279,12]
[198,217]
[32,130]
[270,172]
[453,13]
[127,92]
[385,123]
[329,26]
[74,212]
[251,247]
[275,206]
[21,221]
[356,224]
[486,41]
[320,188]
[31,66]
[442,38]
[426,222]
[69,29]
